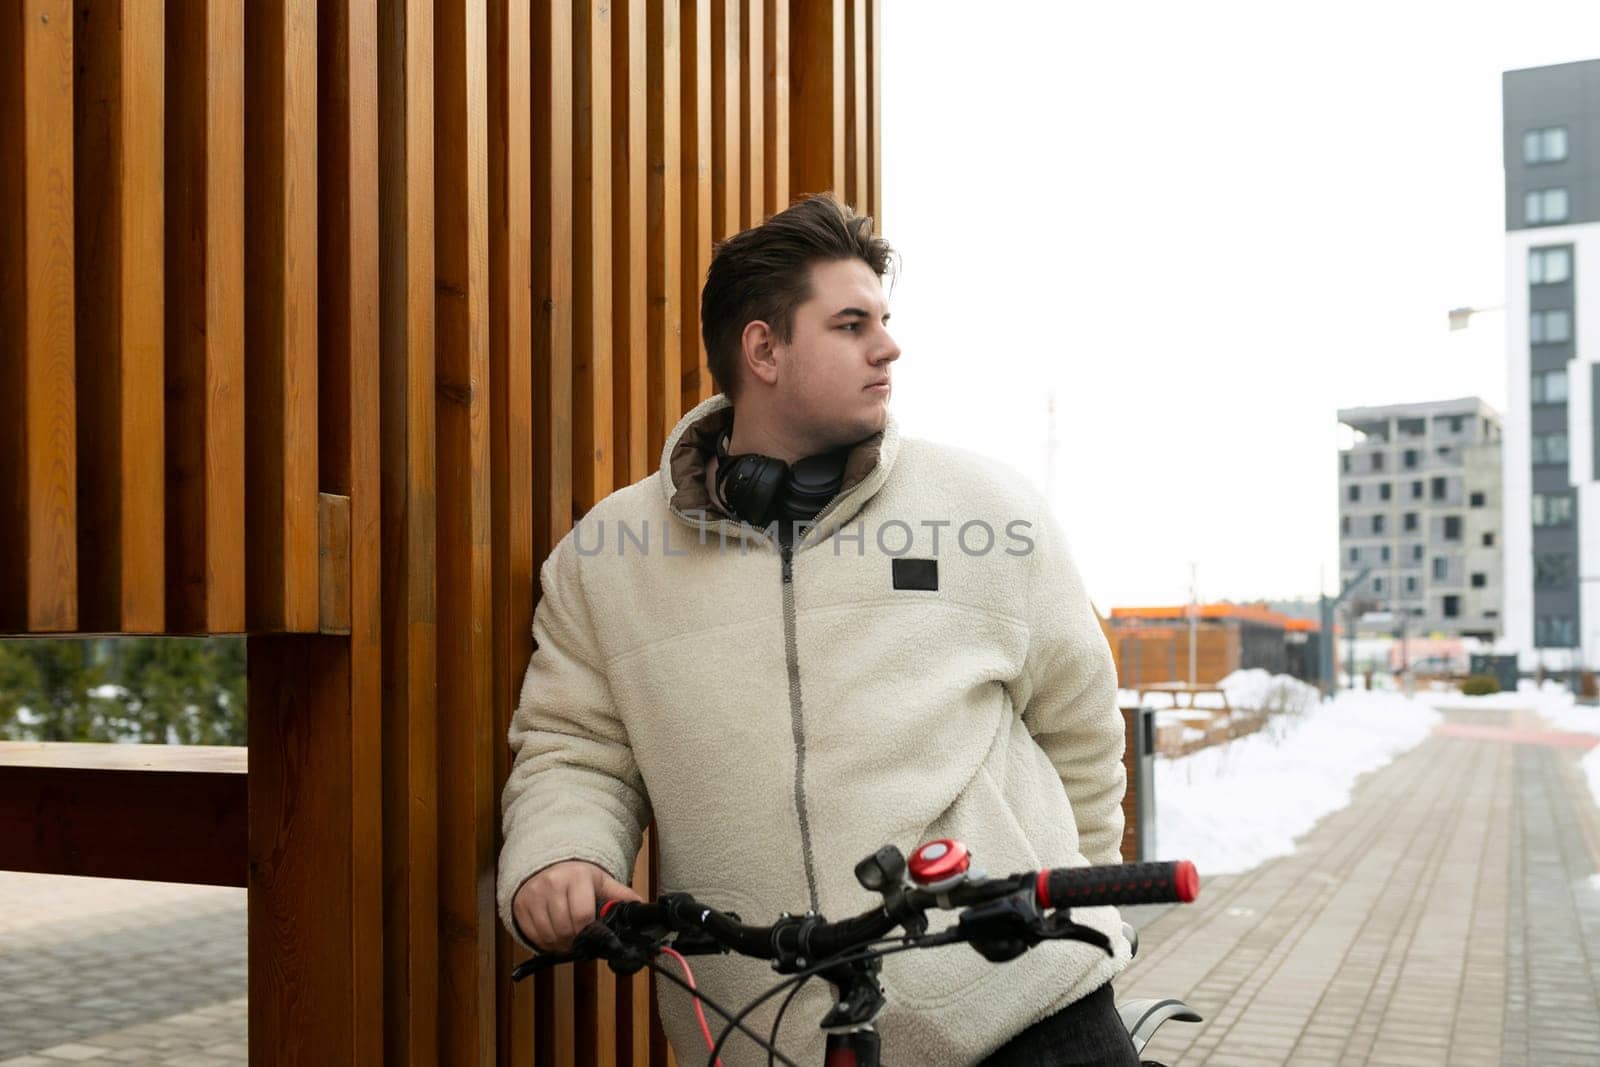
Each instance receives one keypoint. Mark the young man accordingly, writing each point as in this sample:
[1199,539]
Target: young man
[912,656]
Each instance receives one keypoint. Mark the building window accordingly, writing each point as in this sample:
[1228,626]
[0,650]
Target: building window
[1476,500]
[1549,387]
[1377,524]
[1354,493]
[1355,555]
[1383,490]
[1416,490]
[1552,327]
[1410,521]
[1344,525]
[1411,583]
[1452,607]
[1552,570]
[1383,554]
[1550,447]
[1554,631]
[1547,145]
[1488,539]
[1411,459]
[1549,266]
[1377,461]
[1541,207]
[1416,553]
[1377,586]
[1479,579]
[1441,568]
[1344,462]
[1452,527]
[1552,509]
[1438,489]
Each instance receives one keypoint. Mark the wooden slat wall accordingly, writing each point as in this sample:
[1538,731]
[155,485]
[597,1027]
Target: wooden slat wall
[324,325]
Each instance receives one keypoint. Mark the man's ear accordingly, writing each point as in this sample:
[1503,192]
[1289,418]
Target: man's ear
[756,351]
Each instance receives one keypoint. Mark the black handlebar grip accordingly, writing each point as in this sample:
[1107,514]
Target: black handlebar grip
[1118,885]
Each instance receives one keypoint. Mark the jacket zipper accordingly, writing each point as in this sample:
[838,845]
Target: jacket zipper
[791,652]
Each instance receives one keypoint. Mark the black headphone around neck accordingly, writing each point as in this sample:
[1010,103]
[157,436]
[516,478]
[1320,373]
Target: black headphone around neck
[759,489]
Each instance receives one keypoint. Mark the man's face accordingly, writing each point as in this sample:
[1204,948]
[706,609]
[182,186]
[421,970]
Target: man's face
[833,375]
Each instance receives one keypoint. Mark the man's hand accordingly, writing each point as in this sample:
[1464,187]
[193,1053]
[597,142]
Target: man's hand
[553,905]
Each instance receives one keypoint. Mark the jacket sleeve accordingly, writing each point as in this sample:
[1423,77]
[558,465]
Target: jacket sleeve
[1070,695]
[574,790]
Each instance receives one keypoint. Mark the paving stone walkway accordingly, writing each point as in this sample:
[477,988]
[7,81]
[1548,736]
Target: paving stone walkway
[1449,915]
[120,972]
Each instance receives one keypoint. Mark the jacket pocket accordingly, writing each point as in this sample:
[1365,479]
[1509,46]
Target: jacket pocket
[982,819]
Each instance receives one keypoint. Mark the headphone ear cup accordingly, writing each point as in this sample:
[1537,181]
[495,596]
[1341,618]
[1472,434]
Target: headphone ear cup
[811,484]
[750,484]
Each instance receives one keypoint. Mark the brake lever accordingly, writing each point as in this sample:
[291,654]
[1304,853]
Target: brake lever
[1060,927]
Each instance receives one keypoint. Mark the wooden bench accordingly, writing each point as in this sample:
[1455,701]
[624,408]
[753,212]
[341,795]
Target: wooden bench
[167,813]
[1176,689]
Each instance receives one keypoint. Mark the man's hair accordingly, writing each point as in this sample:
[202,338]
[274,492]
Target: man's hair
[765,273]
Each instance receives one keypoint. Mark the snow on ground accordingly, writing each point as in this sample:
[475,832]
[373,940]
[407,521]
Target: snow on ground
[1233,806]
[1554,703]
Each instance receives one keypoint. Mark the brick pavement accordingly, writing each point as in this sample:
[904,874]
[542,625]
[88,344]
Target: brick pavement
[1446,916]
[120,972]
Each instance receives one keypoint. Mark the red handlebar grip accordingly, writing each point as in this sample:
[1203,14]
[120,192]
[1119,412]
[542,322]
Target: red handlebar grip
[1118,884]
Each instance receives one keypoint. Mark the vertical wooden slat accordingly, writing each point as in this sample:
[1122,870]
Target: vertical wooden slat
[874,113]
[776,105]
[552,273]
[753,117]
[591,291]
[38,452]
[629,233]
[695,97]
[118,160]
[665,211]
[407,425]
[817,88]
[857,159]
[349,444]
[726,83]
[281,316]
[300,858]
[204,298]
[466,760]
[592,378]
[555,1036]
[511,433]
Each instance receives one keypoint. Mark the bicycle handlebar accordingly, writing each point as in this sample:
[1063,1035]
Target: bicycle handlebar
[800,938]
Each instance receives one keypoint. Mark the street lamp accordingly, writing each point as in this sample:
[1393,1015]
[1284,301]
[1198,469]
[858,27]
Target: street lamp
[1461,318]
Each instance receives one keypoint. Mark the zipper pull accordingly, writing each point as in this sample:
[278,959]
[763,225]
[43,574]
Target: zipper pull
[788,563]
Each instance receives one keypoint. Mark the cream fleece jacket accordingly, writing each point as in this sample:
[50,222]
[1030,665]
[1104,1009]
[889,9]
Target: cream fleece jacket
[779,731]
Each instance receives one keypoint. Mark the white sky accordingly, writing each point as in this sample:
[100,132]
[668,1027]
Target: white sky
[1205,227]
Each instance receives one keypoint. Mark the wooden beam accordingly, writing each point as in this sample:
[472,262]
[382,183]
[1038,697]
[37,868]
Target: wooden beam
[630,231]
[817,97]
[696,153]
[170,813]
[665,214]
[38,410]
[204,313]
[281,316]
[407,420]
[118,226]
[466,812]
[511,438]
[777,106]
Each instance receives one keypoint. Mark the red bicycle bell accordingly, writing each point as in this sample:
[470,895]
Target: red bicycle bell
[941,861]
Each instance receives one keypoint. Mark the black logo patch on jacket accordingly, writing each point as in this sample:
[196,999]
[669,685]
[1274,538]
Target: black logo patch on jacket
[916,574]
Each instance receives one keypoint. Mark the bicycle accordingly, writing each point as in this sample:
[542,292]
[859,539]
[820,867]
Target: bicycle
[1001,918]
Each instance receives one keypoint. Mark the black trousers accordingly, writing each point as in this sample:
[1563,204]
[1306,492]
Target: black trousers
[1087,1031]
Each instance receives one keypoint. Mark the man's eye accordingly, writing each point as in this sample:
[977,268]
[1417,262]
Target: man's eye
[850,326]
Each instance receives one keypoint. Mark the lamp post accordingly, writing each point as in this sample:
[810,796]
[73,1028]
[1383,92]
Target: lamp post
[1330,682]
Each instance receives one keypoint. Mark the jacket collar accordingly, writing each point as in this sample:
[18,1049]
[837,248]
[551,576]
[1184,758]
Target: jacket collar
[691,442]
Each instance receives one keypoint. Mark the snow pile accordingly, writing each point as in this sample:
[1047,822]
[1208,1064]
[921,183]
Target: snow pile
[1231,807]
[1257,690]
